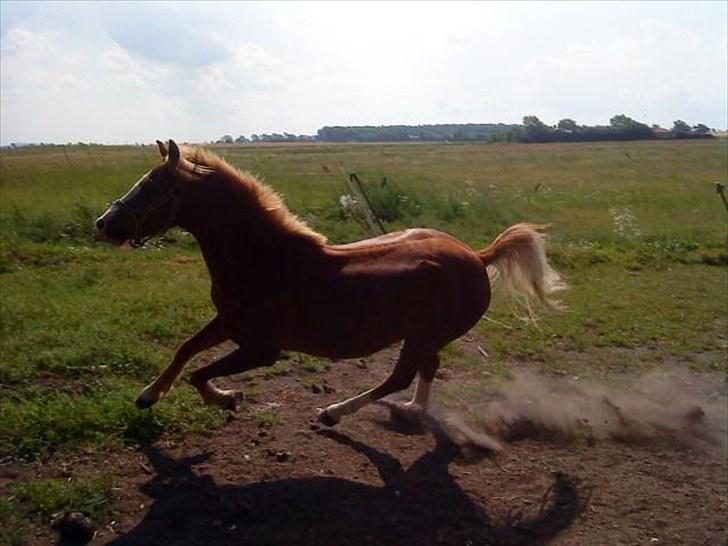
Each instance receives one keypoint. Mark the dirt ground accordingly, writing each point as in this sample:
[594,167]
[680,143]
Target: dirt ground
[372,481]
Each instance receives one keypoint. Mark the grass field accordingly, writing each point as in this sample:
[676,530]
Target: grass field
[637,229]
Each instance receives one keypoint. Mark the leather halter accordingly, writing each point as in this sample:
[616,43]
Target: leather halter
[139,215]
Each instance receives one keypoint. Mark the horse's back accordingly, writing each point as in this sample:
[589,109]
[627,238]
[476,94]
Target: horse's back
[397,237]
[424,254]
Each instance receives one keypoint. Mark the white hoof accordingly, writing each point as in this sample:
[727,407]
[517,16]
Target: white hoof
[326,418]
[223,399]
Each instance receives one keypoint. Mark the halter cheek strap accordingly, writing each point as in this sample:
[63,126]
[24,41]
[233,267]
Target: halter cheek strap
[138,216]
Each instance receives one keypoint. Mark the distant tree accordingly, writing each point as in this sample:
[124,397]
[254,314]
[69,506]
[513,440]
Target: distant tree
[254,138]
[536,130]
[226,139]
[532,122]
[241,138]
[568,125]
[701,129]
[679,127]
[620,121]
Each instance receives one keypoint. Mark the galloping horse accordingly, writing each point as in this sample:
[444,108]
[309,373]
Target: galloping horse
[278,286]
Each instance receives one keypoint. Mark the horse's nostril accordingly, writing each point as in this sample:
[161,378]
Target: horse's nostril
[100,224]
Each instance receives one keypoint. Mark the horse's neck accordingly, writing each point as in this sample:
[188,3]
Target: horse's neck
[236,242]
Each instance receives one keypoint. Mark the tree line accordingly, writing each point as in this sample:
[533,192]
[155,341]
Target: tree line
[621,127]
[265,137]
[407,133]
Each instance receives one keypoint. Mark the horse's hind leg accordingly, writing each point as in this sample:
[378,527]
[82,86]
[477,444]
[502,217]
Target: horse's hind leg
[410,360]
[421,399]
[209,336]
[238,361]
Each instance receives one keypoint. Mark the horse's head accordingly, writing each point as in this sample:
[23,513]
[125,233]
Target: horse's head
[150,207]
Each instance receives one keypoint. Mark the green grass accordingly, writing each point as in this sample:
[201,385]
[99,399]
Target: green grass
[617,316]
[267,419]
[473,190]
[43,500]
[277,370]
[36,421]
[636,227]
[290,363]
[311,364]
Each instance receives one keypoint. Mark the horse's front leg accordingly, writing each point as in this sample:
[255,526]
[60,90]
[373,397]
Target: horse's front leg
[211,335]
[241,360]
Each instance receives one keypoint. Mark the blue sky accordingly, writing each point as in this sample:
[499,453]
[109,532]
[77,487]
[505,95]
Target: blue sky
[134,72]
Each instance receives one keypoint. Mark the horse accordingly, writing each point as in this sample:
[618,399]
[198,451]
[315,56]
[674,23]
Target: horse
[278,286]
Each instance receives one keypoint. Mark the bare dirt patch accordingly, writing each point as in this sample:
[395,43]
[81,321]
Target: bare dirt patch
[370,481]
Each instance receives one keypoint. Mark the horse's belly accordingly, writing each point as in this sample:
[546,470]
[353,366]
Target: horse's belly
[348,330]
[357,316]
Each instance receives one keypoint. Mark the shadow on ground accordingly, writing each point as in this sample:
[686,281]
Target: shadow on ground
[421,505]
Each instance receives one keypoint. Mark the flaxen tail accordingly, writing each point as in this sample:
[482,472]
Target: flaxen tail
[516,260]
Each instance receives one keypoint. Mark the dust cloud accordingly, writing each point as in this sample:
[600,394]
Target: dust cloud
[673,409]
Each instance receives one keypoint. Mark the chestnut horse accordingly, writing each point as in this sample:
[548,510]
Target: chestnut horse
[278,286]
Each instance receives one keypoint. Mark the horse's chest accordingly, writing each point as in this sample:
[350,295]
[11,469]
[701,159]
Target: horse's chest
[247,310]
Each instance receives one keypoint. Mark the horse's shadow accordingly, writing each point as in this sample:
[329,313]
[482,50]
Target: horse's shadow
[420,505]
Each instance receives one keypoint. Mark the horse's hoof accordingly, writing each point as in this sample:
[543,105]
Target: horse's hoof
[325,418]
[228,400]
[235,401]
[144,402]
[409,412]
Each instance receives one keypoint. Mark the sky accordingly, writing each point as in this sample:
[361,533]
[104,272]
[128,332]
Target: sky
[135,72]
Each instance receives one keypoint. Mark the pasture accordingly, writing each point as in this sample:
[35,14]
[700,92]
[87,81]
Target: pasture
[636,228]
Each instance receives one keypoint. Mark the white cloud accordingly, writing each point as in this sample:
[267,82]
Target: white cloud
[659,73]
[131,72]
[244,68]
[52,91]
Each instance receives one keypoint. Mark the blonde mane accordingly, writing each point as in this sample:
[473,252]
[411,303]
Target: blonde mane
[262,198]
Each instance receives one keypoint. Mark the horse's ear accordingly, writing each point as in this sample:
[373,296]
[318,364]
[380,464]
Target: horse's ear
[163,151]
[173,157]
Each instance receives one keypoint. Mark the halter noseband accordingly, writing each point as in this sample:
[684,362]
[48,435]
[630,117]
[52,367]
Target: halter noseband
[138,216]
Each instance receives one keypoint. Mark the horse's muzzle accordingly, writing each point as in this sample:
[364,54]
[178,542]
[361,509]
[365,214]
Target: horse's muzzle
[112,227]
